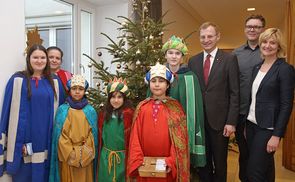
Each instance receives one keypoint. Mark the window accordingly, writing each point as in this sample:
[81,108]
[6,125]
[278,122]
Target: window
[54,21]
[85,44]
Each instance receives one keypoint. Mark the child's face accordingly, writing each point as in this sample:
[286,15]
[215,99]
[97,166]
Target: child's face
[77,92]
[117,100]
[173,57]
[158,87]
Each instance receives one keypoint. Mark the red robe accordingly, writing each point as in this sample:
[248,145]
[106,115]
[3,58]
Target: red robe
[163,134]
[64,76]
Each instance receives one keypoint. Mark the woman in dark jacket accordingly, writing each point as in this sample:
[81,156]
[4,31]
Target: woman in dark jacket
[271,106]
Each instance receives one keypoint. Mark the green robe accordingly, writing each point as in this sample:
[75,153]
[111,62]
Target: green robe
[186,89]
[113,139]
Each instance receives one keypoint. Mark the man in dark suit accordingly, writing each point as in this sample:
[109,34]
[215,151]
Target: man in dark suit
[218,72]
[248,56]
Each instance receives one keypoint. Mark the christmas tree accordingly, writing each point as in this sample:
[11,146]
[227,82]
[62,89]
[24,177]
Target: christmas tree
[138,48]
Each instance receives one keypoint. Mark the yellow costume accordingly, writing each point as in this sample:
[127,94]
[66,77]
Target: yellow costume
[76,149]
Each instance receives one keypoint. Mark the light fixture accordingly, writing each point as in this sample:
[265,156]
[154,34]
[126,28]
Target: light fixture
[251,9]
[58,12]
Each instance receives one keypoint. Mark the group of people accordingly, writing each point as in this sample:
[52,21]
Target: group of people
[185,122]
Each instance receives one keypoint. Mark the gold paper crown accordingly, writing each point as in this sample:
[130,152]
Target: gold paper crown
[33,37]
[77,80]
[159,70]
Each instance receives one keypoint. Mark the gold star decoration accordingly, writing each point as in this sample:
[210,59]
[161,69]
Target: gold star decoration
[33,37]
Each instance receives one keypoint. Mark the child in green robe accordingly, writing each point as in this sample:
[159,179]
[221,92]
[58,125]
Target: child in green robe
[186,89]
[114,132]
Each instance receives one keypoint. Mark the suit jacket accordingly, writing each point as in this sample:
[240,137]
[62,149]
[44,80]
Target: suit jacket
[221,95]
[274,98]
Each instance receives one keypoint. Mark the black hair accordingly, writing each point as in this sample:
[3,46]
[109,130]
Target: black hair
[56,48]
[109,109]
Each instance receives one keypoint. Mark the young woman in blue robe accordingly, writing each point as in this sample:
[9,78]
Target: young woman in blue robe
[30,101]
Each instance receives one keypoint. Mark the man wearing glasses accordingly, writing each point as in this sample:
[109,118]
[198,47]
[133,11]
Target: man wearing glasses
[248,56]
[218,74]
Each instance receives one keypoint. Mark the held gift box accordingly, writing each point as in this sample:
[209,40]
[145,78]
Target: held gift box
[153,167]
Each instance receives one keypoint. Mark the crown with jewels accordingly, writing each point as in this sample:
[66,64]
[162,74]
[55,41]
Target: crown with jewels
[77,80]
[159,70]
[117,85]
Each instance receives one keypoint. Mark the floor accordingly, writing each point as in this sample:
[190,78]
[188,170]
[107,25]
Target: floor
[282,174]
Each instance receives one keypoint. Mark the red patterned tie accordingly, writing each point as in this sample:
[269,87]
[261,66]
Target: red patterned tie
[206,68]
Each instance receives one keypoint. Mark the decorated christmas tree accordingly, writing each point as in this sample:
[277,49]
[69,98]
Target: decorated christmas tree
[138,47]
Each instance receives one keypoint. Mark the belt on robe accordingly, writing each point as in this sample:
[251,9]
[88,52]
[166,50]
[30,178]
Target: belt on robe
[38,157]
[113,159]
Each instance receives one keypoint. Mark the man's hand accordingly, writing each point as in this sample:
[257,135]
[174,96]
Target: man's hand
[228,130]
[273,144]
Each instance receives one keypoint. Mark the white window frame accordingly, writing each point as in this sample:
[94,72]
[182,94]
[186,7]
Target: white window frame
[78,6]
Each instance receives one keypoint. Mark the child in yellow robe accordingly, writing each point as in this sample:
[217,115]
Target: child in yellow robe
[74,146]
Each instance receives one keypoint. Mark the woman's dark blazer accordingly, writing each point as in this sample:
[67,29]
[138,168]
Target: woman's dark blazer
[274,98]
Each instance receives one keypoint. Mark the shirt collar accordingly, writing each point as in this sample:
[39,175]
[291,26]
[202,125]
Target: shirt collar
[246,46]
[212,53]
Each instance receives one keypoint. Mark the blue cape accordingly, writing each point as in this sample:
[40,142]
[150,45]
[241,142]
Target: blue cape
[60,118]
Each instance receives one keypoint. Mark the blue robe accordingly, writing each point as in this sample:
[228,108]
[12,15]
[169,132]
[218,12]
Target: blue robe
[60,118]
[24,121]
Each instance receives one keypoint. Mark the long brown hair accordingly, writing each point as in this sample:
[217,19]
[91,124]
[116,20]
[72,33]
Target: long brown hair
[30,71]
[109,109]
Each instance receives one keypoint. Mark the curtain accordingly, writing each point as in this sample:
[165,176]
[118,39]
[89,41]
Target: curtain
[289,140]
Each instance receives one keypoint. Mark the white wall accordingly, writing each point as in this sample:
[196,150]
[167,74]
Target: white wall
[108,27]
[12,44]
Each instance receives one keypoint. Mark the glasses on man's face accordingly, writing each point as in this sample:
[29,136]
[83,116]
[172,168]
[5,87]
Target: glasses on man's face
[254,27]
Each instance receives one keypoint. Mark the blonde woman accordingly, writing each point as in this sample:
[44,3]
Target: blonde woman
[271,106]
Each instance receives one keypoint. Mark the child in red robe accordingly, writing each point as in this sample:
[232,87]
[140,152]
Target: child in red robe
[159,130]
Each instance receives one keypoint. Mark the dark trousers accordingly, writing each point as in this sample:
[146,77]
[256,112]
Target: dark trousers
[194,174]
[243,148]
[260,166]
[216,156]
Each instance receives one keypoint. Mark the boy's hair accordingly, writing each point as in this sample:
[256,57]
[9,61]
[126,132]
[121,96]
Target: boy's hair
[167,91]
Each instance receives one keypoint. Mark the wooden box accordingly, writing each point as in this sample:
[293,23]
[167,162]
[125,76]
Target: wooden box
[148,169]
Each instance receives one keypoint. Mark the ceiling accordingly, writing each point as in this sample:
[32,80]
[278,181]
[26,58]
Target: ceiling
[230,15]
[105,2]
[225,12]
[35,8]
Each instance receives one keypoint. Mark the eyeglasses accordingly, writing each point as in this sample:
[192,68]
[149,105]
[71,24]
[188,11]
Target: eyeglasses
[254,27]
